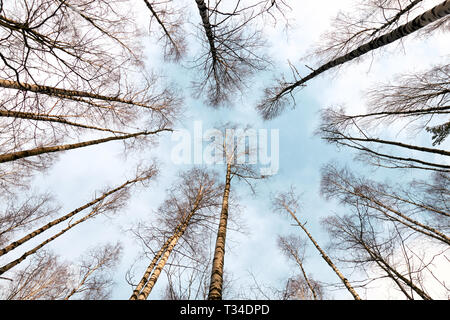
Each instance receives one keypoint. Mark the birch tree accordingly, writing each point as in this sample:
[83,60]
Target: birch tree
[48,277]
[182,215]
[356,43]
[231,49]
[359,237]
[294,248]
[418,101]
[111,201]
[18,215]
[68,69]
[387,226]
[288,202]
[297,288]
[44,277]
[234,150]
[409,207]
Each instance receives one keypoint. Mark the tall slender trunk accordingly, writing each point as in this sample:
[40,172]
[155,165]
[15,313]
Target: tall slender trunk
[32,251]
[68,94]
[216,284]
[38,231]
[50,118]
[325,257]
[159,267]
[404,30]
[203,10]
[413,112]
[41,150]
[393,278]
[178,234]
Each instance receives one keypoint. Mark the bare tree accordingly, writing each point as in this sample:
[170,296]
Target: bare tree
[386,224]
[188,205]
[288,202]
[69,68]
[230,49]
[363,243]
[294,248]
[368,20]
[94,279]
[234,153]
[46,277]
[111,201]
[141,176]
[298,288]
[18,215]
[277,97]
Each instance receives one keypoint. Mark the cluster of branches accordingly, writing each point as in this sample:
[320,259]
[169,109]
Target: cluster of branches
[183,224]
[71,76]
[46,277]
[110,201]
[418,102]
[230,38]
[388,226]
[72,69]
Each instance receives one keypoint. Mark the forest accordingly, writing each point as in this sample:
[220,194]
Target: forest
[224,150]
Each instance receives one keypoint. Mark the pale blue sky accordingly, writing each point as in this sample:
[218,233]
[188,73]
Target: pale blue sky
[77,174]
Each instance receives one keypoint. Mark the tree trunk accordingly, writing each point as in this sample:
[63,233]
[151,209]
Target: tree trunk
[419,22]
[50,118]
[174,240]
[155,275]
[216,284]
[203,9]
[67,94]
[326,258]
[36,232]
[32,251]
[41,150]
[394,143]
[151,266]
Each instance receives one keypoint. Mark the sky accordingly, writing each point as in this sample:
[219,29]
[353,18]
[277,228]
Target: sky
[78,173]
